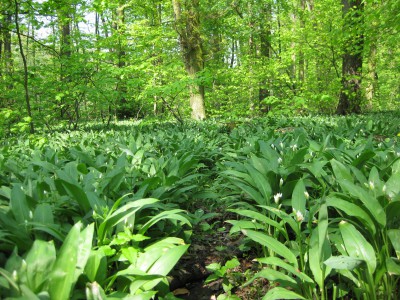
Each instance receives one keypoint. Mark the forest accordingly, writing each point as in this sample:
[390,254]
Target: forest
[71,62]
[199,150]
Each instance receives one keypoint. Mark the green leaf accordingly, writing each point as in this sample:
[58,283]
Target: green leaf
[343,262]
[273,244]
[43,214]
[299,198]
[95,292]
[253,215]
[320,248]
[341,171]
[170,214]
[281,293]
[393,187]
[19,205]
[77,194]
[261,183]
[393,266]
[275,276]
[357,246]
[362,158]
[83,249]
[353,210]
[276,261]
[121,214]
[370,202]
[394,236]
[70,262]
[39,261]
[96,266]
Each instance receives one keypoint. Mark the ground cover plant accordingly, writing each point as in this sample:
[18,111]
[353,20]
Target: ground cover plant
[312,203]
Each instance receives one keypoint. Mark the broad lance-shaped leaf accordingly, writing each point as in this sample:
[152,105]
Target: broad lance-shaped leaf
[394,236]
[273,244]
[39,261]
[393,187]
[169,215]
[299,197]
[370,202]
[275,276]
[281,293]
[276,261]
[70,262]
[393,266]
[320,248]
[343,262]
[261,182]
[341,171]
[357,246]
[166,262]
[353,210]
[122,214]
[77,194]
[19,205]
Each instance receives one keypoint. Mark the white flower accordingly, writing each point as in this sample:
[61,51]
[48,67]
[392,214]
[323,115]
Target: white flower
[306,195]
[294,147]
[384,188]
[15,275]
[30,215]
[281,182]
[299,216]
[279,160]
[371,185]
[281,145]
[277,197]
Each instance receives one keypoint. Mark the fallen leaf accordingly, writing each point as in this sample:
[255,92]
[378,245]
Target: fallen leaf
[181,291]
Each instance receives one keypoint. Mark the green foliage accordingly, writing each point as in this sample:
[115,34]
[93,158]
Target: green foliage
[316,200]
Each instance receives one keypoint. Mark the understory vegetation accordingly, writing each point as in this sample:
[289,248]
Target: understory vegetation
[108,213]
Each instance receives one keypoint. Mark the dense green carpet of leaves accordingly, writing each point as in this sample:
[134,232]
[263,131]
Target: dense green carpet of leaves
[106,213]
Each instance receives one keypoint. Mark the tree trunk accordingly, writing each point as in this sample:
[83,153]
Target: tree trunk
[187,25]
[265,49]
[123,111]
[350,94]
[21,50]
[64,23]
[6,61]
[373,76]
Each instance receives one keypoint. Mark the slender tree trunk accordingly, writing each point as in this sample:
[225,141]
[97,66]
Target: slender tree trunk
[119,29]
[350,94]
[64,23]
[373,76]
[265,49]
[6,60]
[187,25]
[21,51]
[301,71]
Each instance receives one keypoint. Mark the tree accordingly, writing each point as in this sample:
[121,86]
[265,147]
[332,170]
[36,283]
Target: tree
[187,25]
[350,94]
[6,62]
[25,65]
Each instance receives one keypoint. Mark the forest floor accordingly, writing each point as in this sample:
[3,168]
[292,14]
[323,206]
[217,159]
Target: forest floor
[215,246]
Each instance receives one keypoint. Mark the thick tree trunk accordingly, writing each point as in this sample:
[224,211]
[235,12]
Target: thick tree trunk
[188,27]
[350,94]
